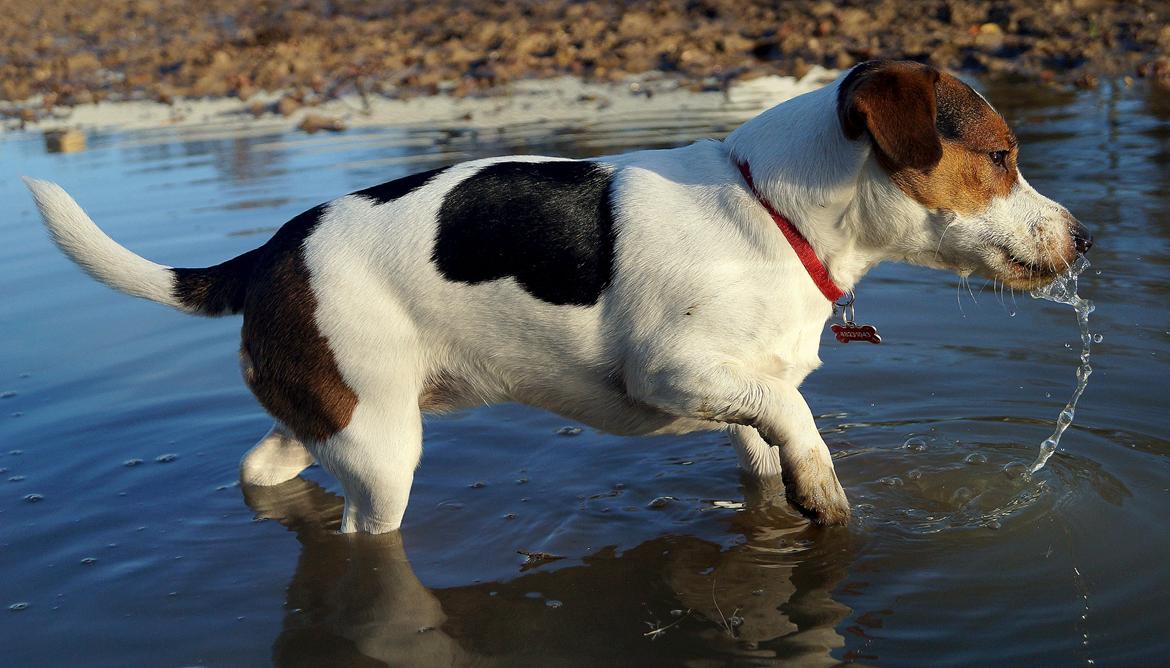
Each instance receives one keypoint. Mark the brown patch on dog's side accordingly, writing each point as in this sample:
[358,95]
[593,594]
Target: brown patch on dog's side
[287,362]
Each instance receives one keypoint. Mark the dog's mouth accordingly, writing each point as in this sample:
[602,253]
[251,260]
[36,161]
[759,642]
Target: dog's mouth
[1019,273]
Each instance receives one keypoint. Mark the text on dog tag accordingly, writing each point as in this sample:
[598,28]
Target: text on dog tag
[853,332]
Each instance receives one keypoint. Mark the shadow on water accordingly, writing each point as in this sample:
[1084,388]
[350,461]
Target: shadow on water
[356,597]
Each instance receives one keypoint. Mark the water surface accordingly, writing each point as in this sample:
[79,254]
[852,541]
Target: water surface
[125,539]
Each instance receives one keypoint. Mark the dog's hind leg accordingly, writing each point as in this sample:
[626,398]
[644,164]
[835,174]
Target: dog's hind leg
[756,457]
[278,457]
[374,459]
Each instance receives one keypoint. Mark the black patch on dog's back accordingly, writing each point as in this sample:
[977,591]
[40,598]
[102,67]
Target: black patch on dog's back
[549,225]
[392,190]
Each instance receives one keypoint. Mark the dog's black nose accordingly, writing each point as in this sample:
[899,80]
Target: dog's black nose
[1082,239]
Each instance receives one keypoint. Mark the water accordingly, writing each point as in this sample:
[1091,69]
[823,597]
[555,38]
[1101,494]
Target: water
[126,422]
[1063,290]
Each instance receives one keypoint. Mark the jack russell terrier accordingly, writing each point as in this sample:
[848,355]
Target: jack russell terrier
[655,292]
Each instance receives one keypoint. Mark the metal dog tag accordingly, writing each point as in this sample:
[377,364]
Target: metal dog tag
[851,331]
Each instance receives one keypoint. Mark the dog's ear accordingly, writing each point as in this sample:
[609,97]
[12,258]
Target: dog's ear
[895,103]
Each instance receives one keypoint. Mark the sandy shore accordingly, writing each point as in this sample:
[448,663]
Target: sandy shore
[563,100]
[72,52]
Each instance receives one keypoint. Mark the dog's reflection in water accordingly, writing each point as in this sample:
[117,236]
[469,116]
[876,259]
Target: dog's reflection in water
[355,600]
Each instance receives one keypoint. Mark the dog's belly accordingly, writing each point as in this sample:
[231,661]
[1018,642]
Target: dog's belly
[595,402]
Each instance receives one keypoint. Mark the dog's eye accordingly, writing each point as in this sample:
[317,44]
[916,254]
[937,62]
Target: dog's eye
[998,157]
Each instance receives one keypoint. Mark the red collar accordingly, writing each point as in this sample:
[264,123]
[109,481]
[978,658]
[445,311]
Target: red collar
[804,250]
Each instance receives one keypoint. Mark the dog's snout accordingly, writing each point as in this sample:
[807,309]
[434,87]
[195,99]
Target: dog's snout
[1082,239]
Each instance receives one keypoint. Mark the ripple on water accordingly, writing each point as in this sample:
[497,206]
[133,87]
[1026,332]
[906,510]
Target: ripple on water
[947,485]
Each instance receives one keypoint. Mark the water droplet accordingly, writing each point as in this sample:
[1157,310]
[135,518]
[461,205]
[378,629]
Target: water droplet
[167,458]
[568,431]
[915,444]
[553,603]
[16,478]
[131,462]
[510,516]
[914,474]
[7,394]
[976,458]
[17,607]
[521,481]
[89,561]
[16,453]
[1068,345]
[478,484]
[660,502]
[891,481]
[33,498]
[1098,338]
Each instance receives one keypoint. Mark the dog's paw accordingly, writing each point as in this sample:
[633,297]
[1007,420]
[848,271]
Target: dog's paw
[818,497]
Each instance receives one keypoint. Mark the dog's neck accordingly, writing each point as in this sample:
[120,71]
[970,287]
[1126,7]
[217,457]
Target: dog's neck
[803,164]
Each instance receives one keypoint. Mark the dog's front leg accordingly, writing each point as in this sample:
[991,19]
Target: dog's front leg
[772,407]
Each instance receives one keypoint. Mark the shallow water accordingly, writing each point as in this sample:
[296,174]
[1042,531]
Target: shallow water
[125,540]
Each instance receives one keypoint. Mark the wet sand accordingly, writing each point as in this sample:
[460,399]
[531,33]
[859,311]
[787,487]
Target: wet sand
[56,53]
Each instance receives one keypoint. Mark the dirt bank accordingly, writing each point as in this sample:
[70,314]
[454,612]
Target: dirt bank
[79,51]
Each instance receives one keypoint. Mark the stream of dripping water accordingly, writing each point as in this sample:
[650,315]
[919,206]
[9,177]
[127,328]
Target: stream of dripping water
[1063,290]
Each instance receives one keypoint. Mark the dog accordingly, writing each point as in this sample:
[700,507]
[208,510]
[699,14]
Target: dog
[653,292]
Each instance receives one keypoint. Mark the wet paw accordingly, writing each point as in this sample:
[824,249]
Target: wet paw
[819,498]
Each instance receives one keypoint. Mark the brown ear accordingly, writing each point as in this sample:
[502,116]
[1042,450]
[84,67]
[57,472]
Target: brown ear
[895,102]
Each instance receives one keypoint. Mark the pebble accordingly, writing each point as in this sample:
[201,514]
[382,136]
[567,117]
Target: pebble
[660,502]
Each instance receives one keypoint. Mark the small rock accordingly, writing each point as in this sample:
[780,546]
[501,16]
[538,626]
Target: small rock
[287,105]
[64,141]
[660,502]
[313,122]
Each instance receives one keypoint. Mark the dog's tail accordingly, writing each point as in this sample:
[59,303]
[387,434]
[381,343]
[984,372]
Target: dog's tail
[218,290]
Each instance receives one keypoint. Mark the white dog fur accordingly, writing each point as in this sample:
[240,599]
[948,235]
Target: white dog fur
[676,304]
